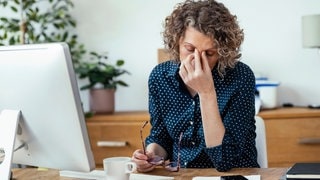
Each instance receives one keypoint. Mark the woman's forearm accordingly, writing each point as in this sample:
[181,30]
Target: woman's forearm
[213,127]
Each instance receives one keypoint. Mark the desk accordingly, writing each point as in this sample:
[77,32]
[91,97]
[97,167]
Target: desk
[183,174]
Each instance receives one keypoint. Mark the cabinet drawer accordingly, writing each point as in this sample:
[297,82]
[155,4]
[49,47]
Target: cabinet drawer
[293,140]
[115,139]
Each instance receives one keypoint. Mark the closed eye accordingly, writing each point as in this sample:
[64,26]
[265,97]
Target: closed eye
[211,53]
[190,48]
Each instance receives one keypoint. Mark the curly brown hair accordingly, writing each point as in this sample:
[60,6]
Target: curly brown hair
[210,18]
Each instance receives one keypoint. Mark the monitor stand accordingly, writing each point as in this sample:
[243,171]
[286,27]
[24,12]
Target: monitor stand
[9,120]
[9,123]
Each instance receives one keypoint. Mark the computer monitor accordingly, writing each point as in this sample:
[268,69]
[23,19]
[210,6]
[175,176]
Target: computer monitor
[39,81]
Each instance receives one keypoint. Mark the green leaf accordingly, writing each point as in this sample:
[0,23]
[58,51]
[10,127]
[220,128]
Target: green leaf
[94,54]
[3,19]
[56,25]
[120,62]
[5,3]
[85,87]
[122,83]
[65,36]
[14,9]
[12,41]
[73,23]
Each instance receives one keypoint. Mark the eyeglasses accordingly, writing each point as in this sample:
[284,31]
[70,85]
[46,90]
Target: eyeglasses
[158,160]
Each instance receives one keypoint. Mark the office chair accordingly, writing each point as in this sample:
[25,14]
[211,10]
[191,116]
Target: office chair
[261,142]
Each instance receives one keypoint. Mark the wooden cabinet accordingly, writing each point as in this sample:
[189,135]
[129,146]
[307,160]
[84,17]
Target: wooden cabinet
[116,134]
[293,135]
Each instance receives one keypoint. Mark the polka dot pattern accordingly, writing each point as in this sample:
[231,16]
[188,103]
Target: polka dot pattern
[173,111]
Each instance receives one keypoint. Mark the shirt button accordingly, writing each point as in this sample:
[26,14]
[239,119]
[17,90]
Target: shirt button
[185,163]
[191,122]
[193,143]
[193,103]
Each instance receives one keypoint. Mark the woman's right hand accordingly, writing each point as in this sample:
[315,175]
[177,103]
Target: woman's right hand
[140,159]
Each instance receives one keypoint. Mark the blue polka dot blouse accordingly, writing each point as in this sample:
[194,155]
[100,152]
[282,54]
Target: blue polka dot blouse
[173,110]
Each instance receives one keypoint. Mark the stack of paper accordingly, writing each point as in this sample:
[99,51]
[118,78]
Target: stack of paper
[134,176]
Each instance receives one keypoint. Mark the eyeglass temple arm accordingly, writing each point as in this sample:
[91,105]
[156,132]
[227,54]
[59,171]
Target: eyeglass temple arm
[180,138]
[142,140]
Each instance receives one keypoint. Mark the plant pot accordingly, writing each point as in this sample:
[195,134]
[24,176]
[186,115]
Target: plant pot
[102,100]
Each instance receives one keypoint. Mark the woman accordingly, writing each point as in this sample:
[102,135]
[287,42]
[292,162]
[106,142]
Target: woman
[206,93]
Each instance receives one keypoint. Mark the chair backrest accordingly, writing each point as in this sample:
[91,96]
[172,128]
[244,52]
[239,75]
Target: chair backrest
[261,142]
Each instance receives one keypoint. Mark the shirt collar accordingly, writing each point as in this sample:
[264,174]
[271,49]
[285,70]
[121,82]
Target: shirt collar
[174,69]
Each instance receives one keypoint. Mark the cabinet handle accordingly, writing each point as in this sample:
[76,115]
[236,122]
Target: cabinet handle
[309,141]
[111,143]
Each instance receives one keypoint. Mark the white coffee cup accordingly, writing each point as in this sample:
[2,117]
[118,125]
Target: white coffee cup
[118,168]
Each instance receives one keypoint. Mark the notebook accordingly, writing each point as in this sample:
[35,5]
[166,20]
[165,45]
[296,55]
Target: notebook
[304,171]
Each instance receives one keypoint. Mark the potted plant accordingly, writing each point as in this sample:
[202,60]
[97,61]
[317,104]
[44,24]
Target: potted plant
[102,81]
[28,24]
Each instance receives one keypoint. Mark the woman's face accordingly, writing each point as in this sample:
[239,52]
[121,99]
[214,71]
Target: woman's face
[194,39]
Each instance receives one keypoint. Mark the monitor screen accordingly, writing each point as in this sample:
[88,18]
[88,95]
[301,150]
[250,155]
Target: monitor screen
[39,80]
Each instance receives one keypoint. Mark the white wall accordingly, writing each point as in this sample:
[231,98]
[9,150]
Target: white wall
[131,30]
[273,46]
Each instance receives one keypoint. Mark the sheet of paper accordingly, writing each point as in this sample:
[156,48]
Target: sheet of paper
[148,177]
[206,178]
[95,174]
[249,177]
